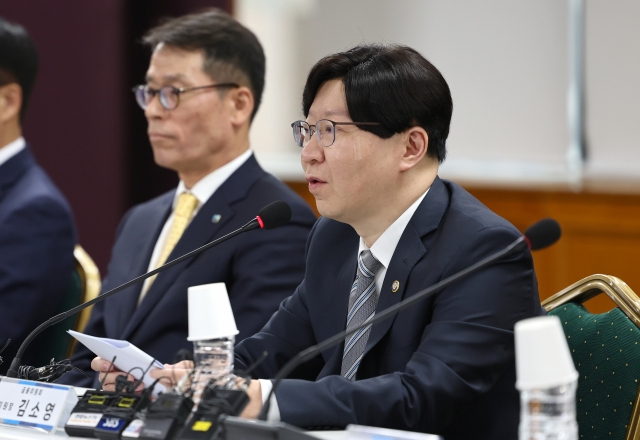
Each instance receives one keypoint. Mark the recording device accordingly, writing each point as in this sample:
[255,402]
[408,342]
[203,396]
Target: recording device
[271,216]
[126,408]
[166,417]
[88,412]
[540,235]
[122,411]
[216,401]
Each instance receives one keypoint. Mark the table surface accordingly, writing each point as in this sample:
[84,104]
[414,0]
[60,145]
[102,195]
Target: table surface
[11,433]
[23,433]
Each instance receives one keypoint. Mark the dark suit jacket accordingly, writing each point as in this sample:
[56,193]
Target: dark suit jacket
[444,366]
[260,268]
[37,236]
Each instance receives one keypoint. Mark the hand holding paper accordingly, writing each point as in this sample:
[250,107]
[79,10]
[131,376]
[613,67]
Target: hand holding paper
[128,358]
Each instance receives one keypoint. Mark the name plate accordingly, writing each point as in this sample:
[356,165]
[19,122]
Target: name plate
[35,405]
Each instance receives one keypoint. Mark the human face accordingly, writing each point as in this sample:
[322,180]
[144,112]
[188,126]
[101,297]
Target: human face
[352,179]
[191,138]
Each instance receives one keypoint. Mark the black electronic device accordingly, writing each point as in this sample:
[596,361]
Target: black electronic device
[118,416]
[87,413]
[215,402]
[166,417]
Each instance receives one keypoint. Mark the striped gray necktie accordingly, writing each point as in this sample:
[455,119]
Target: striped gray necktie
[363,300]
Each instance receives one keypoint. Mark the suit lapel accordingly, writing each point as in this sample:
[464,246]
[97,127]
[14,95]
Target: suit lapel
[200,231]
[335,318]
[12,170]
[409,251]
[146,240]
[197,234]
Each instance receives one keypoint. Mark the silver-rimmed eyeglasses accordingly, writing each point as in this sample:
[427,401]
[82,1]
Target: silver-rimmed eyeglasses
[169,96]
[324,129]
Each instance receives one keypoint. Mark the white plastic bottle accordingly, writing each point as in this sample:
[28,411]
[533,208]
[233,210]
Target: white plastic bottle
[549,414]
[212,330]
[213,361]
[547,380]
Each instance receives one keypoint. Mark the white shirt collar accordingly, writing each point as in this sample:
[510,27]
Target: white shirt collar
[386,244]
[11,149]
[206,186]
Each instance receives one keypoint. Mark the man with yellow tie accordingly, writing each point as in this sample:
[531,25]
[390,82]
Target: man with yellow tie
[203,88]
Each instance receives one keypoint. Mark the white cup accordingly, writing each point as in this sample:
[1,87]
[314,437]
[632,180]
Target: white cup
[210,314]
[543,359]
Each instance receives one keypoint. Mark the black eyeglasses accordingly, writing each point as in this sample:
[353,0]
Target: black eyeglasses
[325,131]
[169,96]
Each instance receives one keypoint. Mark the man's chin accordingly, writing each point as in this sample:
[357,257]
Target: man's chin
[164,161]
[327,210]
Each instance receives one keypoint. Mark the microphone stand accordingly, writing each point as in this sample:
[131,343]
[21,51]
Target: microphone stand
[15,364]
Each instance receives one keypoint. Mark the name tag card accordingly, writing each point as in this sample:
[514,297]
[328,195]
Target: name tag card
[35,405]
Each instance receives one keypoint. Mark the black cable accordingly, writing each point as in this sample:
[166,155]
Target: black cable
[12,372]
[105,374]
[245,373]
[3,348]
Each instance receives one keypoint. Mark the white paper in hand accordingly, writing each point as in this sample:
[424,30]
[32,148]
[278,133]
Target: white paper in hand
[128,357]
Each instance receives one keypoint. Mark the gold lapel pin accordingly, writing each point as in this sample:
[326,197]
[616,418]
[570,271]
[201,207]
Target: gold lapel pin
[395,286]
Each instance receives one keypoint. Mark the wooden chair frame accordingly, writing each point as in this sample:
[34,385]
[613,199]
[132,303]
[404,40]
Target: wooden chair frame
[625,298]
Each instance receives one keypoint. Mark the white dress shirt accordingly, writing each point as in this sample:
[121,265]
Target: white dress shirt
[11,149]
[382,250]
[202,190]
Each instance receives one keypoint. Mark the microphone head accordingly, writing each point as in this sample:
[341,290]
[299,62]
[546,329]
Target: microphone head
[542,234]
[274,215]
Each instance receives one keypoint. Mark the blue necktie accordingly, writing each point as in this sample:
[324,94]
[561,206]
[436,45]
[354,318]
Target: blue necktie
[363,300]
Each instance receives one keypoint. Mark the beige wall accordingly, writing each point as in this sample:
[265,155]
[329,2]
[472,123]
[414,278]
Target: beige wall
[506,62]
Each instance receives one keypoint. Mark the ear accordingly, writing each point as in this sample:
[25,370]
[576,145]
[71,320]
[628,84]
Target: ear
[416,141]
[10,102]
[242,104]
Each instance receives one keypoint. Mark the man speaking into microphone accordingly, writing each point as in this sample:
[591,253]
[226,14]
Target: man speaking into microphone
[202,89]
[376,122]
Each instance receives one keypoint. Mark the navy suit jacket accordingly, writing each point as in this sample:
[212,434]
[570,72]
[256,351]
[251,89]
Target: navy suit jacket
[445,365]
[260,268]
[37,236]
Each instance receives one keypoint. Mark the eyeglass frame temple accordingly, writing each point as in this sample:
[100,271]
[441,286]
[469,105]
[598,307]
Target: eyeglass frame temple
[180,90]
[334,123]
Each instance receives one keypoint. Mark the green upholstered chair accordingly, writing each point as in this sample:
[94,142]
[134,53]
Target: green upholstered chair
[84,285]
[606,351]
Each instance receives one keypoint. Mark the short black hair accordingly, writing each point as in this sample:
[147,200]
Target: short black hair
[232,53]
[18,60]
[390,84]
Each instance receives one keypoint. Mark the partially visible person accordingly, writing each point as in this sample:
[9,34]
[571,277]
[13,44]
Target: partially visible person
[37,232]
[203,87]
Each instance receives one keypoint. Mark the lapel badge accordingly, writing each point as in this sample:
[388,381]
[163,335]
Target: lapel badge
[395,286]
[216,218]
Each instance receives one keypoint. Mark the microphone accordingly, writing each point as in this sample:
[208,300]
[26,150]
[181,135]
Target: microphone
[271,216]
[540,235]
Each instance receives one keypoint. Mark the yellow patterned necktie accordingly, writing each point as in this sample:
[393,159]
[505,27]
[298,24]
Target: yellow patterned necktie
[184,210]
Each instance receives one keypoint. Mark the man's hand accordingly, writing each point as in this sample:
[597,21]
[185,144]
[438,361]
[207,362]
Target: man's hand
[254,406]
[106,368]
[172,375]
[169,377]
